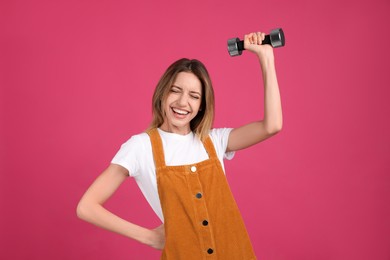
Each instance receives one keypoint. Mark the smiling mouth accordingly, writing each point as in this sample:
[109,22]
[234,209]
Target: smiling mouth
[180,112]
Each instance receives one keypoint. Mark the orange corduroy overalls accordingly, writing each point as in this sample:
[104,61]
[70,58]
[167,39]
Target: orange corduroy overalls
[201,217]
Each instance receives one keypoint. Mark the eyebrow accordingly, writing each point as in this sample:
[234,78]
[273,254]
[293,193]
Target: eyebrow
[194,92]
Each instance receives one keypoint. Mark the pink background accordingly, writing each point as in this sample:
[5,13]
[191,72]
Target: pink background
[76,82]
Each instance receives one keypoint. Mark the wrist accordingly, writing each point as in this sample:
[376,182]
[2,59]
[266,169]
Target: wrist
[148,237]
[140,234]
[266,61]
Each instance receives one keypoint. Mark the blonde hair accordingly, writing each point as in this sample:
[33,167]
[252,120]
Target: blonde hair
[203,121]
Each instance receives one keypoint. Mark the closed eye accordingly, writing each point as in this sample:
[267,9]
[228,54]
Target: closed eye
[175,90]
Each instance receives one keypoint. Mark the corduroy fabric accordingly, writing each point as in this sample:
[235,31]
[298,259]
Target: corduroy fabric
[201,217]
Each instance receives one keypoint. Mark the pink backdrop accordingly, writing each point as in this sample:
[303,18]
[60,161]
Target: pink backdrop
[76,82]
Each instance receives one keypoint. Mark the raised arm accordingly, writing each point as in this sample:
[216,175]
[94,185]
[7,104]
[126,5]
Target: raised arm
[90,209]
[255,132]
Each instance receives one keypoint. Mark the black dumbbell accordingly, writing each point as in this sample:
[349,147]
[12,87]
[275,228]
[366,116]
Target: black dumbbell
[275,38]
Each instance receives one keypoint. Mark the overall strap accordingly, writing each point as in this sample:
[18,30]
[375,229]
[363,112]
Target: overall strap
[210,149]
[157,148]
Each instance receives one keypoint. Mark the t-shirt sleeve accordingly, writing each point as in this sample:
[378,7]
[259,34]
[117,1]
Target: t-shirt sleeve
[128,155]
[220,137]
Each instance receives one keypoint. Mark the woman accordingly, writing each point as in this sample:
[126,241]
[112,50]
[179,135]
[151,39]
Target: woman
[178,165]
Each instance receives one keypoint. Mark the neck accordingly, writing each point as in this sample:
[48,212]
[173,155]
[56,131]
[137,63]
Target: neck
[175,129]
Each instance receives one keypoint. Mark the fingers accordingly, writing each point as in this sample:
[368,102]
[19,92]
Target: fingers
[255,38]
[260,37]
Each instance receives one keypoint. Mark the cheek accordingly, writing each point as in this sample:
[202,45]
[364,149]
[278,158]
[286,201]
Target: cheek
[167,101]
[197,105]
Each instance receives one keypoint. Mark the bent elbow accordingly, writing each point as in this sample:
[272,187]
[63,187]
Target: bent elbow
[273,130]
[278,128]
[82,211]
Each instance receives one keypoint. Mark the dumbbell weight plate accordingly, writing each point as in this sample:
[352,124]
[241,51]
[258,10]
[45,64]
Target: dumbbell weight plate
[233,47]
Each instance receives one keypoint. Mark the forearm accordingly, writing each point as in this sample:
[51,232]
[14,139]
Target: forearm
[99,216]
[90,209]
[273,118]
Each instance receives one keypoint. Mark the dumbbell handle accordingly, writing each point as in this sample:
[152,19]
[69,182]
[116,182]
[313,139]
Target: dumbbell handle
[275,38]
[267,40]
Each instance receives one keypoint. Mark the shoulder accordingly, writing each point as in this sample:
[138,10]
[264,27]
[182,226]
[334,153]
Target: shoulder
[133,153]
[135,147]
[138,140]
[217,134]
[220,139]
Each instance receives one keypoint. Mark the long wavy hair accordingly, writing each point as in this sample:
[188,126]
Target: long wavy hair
[202,122]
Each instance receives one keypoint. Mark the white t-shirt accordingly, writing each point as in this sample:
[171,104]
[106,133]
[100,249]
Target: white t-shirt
[137,157]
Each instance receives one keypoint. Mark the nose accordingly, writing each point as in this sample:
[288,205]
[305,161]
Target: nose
[182,101]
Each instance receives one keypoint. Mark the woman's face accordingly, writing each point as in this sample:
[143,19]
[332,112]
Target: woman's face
[182,103]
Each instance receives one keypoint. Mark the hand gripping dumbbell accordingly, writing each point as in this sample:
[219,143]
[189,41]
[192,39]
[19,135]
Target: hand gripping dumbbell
[275,38]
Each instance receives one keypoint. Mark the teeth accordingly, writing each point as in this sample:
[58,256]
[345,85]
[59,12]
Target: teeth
[181,112]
